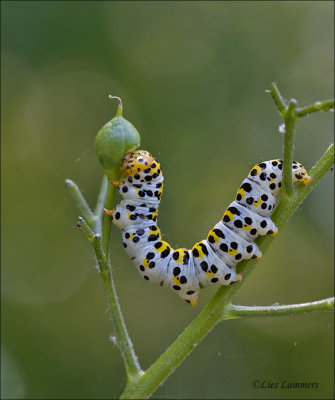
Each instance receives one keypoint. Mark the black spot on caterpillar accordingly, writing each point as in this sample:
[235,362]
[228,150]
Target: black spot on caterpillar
[211,261]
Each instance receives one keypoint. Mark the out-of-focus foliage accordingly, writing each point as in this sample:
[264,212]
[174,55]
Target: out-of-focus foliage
[192,77]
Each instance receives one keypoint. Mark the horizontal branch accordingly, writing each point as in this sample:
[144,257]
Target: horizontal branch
[235,311]
[325,105]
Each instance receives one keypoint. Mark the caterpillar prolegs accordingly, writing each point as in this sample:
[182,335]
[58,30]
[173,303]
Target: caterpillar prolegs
[211,261]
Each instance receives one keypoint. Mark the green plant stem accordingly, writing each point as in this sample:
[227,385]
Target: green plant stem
[100,204]
[106,220]
[122,339]
[287,111]
[325,105]
[290,113]
[278,99]
[212,313]
[236,311]
[80,202]
[96,241]
[180,348]
[86,228]
[121,335]
[289,120]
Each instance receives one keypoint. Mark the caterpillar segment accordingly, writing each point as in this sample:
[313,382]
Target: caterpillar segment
[211,261]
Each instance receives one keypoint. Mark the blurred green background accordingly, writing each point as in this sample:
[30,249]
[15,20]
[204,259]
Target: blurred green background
[192,77]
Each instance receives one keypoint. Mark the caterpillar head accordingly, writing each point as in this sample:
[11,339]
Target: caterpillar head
[136,161]
[141,166]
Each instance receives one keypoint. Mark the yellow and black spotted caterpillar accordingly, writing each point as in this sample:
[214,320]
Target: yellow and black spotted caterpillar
[211,261]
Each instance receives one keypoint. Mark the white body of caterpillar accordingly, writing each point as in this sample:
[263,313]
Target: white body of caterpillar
[211,261]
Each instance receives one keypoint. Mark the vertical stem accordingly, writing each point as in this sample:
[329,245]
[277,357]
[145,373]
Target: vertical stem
[289,118]
[106,220]
[123,340]
[100,204]
[101,247]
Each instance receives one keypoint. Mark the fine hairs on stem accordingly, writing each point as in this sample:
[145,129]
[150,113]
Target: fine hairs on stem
[97,227]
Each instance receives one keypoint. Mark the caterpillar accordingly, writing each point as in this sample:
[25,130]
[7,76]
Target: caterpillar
[211,261]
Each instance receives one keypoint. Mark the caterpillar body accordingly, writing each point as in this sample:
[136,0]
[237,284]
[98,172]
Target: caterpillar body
[211,261]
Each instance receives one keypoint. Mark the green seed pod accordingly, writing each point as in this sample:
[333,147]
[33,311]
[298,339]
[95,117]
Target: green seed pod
[113,141]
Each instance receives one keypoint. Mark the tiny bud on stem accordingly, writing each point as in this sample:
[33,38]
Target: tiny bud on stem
[115,139]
